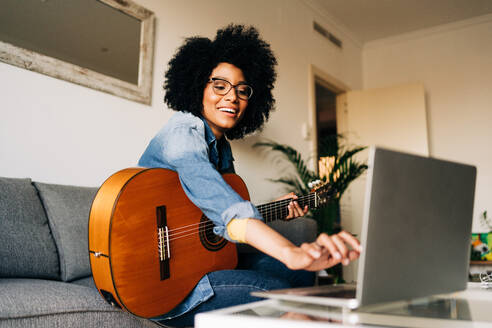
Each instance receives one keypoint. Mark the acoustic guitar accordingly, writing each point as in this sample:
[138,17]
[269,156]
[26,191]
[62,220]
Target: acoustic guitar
[149,245]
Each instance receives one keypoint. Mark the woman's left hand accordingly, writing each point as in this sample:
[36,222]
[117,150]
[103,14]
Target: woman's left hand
[324,253]
[294,209]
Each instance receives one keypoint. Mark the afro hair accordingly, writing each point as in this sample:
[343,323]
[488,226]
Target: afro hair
[190,68]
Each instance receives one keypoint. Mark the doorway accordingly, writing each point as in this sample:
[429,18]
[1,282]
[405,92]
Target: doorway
[326,116]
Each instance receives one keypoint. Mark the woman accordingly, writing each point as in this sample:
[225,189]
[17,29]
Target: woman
[222,88]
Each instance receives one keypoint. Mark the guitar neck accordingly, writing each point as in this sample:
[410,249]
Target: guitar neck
[278,210]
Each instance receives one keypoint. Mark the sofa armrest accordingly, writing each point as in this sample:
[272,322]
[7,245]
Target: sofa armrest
[298,231]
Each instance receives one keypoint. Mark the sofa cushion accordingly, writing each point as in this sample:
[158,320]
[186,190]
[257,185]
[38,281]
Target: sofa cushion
[68,210]
[44,303]
[87,282]
[27,246]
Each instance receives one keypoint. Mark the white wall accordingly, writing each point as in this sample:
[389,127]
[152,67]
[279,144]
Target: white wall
[54,131]
[454,62]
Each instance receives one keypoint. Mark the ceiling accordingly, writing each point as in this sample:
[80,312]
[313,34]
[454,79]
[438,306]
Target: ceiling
[369,20]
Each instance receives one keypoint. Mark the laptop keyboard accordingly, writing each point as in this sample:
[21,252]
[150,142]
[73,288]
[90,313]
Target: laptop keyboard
[343,293]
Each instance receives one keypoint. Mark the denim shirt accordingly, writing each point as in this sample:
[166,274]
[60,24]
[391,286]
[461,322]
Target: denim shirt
[187,145]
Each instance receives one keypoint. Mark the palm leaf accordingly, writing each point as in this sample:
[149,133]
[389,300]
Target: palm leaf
[293,184]
[344,171]
[294,157]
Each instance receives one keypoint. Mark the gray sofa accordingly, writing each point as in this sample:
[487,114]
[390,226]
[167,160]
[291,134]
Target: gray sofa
[45,277]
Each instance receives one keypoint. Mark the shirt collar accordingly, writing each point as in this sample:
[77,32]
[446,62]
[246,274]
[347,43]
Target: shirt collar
[209,135]
[221,147]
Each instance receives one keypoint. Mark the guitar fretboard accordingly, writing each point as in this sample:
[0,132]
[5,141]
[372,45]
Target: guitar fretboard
[278,210]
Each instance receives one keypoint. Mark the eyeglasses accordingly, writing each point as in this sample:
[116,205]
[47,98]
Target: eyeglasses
[222,87]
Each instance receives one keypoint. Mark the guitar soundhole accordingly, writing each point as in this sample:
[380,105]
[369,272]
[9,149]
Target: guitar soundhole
[209,239]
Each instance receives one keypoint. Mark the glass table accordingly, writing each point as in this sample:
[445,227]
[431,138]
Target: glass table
[469,308]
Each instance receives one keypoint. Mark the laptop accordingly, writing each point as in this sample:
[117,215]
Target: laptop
[415,234]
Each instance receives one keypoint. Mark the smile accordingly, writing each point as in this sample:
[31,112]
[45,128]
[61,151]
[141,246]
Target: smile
[228,110]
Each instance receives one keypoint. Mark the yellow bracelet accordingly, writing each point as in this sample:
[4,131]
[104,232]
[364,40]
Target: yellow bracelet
[236,228]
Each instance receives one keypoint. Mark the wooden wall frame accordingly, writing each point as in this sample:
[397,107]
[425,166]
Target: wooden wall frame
[140,92]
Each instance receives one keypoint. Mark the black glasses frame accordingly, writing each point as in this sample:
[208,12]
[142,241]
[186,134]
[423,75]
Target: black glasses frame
[226,91]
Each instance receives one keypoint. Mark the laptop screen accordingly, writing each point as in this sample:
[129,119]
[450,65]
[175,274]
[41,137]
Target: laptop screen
[416,227]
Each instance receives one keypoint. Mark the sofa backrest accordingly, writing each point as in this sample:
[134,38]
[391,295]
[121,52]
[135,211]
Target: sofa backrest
[27,249]
[68,208]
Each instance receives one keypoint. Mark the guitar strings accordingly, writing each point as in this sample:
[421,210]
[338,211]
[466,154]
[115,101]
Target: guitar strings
[264,209]
[261,208]
[207,226]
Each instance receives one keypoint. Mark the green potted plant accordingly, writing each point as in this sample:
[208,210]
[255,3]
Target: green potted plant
[337,166]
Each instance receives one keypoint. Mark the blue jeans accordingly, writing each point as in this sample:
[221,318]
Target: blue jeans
[255,272]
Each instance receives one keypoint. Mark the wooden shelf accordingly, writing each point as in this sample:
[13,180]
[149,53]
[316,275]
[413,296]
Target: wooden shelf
[481,262]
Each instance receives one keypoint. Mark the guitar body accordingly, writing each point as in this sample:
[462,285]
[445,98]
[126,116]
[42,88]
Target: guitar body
[149,245]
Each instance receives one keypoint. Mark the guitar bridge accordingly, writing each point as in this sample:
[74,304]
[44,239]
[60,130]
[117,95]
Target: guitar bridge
[163,242]
[163,237]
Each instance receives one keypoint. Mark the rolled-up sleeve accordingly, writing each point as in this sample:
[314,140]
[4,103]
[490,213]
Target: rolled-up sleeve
[187,153]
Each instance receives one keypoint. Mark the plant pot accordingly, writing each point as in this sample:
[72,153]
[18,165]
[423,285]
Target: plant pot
[328,217]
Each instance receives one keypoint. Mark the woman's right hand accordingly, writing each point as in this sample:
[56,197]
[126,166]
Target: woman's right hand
[325,252]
